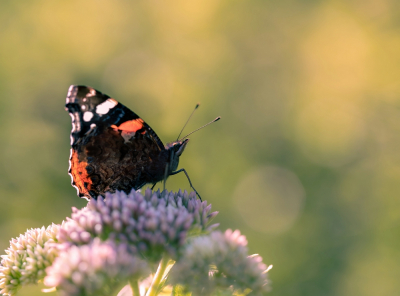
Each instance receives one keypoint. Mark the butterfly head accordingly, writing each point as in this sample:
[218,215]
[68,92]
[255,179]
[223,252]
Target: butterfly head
[176,149]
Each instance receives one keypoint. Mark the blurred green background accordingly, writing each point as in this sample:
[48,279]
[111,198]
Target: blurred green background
[305,161]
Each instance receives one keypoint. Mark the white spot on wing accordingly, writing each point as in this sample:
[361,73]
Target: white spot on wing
[104,107]
[72,119]
[87,116]
[70,89]
[76,124]
[127,136]
[91,93]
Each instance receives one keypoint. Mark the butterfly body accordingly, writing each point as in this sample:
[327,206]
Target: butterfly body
[112,148]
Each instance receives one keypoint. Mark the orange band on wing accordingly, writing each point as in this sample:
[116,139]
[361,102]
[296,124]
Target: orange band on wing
[131,125]
[80,176]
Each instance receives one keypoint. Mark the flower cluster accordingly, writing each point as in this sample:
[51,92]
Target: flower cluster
[149,224]
[119,238]
[98,268]
[27,257]
[220,261]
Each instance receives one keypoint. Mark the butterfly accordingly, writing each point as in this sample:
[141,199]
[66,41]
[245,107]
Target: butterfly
[112,148]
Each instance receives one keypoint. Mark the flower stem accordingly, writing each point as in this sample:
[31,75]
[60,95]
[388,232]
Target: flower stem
[158,276]
[135,287]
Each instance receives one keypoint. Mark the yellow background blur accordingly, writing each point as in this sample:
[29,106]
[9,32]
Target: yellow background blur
[305,161]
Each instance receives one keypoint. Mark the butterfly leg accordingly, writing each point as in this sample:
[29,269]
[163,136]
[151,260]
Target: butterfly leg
[187,176]
[165,175]
[154,185]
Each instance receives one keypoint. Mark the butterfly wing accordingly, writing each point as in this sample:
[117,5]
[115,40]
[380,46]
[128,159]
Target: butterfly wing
[112,148]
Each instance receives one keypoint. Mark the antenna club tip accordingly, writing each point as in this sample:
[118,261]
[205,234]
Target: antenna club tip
[218,118]
[197,106]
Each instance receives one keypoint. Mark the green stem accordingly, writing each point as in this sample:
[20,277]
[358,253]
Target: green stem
[158,276]
[135,287]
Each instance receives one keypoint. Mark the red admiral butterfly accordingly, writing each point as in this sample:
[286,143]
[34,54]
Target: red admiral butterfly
[112,148]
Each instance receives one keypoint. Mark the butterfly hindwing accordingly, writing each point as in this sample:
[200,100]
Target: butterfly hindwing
[112,148]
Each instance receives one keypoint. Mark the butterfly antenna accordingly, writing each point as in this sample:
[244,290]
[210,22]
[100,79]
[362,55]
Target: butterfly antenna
[197,106]
[216,119]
